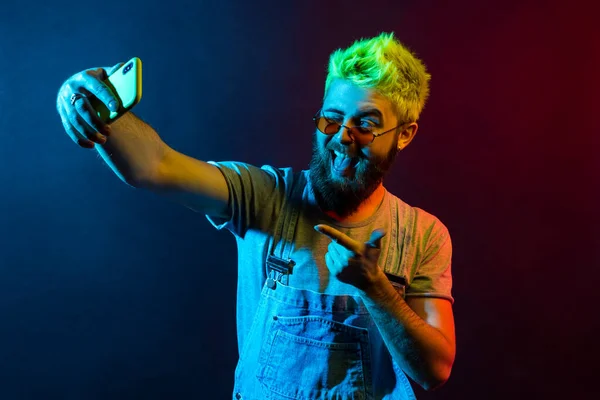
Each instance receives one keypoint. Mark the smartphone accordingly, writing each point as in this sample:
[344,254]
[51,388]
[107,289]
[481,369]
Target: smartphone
[126,83]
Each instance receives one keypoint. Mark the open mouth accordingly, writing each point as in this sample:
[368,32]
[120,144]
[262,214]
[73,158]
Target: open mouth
[341,162]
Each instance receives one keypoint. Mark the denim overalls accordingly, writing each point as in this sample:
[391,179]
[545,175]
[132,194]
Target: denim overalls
[307,345]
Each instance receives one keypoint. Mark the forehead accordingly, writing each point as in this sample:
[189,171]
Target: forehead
[349,98]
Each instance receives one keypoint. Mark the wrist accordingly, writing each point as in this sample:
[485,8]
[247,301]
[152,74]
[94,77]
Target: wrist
[379,288]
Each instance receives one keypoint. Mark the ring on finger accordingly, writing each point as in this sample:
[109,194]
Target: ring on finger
[75,97]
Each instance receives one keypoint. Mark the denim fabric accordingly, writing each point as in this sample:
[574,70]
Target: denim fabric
[307,345]
[298,332]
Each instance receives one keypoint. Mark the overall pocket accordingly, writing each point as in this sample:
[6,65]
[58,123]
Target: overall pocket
[311,357]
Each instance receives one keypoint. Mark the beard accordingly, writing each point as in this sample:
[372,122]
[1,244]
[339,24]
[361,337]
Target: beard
[344,196]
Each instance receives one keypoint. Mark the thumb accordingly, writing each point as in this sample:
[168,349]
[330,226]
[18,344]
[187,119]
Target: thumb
[375,240]
[110,70]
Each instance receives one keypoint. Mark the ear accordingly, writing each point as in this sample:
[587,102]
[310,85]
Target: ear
[407,135]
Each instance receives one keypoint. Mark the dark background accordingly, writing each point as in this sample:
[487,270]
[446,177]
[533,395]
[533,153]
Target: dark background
[107,292]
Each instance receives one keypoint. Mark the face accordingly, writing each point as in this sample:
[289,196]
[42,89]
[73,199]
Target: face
[343,174]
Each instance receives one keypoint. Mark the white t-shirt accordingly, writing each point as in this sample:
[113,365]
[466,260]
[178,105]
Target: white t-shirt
[418,245]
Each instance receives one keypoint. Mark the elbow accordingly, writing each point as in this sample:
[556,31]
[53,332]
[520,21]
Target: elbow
[434,384]
[439,371]
[437,378]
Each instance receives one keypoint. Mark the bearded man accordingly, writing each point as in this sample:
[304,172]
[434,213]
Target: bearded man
[344,290]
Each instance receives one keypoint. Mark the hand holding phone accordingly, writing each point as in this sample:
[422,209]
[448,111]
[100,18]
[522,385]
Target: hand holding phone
[126,83]
[84,99]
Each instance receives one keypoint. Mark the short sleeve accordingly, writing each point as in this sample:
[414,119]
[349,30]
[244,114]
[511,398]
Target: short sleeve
[255,195]
[433,276]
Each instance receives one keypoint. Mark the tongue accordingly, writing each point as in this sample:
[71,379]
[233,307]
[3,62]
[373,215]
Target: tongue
[341,163]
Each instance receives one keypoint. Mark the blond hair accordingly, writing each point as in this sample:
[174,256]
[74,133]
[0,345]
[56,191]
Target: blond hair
[386,65]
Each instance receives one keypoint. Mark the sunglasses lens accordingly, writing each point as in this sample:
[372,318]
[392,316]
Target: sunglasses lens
[363,138]
[327,126]
[330,127]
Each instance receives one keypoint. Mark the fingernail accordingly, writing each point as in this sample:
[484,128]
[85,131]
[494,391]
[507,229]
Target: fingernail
[112,105]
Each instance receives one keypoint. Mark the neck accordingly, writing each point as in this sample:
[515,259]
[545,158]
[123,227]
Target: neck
[364,210]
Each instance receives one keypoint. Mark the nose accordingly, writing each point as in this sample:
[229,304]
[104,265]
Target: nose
[344,135]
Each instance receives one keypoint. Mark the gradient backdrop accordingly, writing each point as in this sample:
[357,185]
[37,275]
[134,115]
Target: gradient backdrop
[107,292]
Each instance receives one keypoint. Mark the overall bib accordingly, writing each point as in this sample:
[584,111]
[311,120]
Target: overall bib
[307,345]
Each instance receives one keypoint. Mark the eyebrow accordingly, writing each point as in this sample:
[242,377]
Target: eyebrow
[361,113]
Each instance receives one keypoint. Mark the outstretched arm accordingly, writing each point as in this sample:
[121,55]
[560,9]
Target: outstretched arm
[134,150]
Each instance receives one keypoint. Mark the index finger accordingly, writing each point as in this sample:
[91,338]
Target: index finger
[340,238]
[100,90]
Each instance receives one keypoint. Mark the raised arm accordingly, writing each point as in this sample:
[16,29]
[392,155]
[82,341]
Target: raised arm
[134,150]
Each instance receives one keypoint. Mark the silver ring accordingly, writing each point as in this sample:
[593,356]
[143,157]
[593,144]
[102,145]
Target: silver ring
[75,97]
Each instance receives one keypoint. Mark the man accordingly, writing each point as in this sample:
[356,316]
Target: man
[343,288]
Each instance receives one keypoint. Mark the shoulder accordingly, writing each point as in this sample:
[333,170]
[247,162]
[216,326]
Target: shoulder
[430,223]
[422,223]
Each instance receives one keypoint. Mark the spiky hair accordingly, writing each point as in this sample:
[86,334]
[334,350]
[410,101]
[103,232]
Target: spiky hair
[386,65]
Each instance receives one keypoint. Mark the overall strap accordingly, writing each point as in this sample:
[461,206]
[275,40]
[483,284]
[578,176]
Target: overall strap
[279,264]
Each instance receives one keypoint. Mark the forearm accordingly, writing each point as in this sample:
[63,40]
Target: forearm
[421,350]
[133,150]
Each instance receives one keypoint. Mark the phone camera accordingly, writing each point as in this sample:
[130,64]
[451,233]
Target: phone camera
[127,68]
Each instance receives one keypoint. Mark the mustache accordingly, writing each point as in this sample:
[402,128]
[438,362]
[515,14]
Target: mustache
[351,151]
